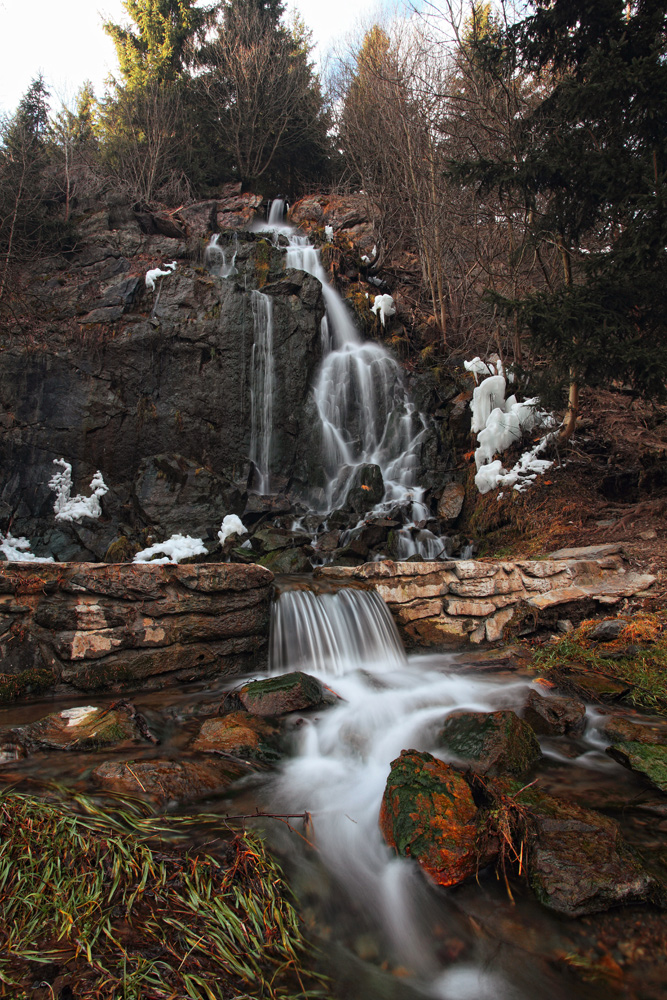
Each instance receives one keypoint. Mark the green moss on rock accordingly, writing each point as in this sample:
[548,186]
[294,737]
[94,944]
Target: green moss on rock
[491,742]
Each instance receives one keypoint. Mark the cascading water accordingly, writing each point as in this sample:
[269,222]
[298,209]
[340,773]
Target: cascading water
[215,257]
[366,415]
[388,703]
[261,389]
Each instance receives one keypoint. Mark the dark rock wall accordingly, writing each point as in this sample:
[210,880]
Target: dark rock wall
[152,388]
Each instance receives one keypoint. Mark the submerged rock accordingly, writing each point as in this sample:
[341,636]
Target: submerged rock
[239,734]
[491,742]
[165,780]
[578,862]
[293,692]
[554,716]
[86,728]
[428,813]
[650,760]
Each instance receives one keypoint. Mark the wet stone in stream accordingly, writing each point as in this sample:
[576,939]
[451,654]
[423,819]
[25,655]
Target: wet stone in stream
[490,742]
[168,780]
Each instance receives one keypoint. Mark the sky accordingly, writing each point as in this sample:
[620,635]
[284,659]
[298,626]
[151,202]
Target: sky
[65,41]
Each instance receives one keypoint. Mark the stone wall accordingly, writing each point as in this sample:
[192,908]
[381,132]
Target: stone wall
[468,601]
[91,626]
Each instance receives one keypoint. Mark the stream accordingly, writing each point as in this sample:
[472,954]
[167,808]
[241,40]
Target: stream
[385,932]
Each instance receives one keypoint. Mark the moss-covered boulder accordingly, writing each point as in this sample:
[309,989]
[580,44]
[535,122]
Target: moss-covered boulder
[647,759]
[428,813]
[554,716]
[578,862]
[240,735]
[490,742]
[84,728]
[294,560]
[294,692]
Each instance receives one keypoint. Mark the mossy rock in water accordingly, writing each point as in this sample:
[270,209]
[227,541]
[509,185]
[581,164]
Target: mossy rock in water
[578,862]
[88,728]
[644,758]
[239,734]
[428,813]
[491,742]
[292,692]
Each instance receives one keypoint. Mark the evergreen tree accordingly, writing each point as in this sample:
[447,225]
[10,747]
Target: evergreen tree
[160,44]
[590,163]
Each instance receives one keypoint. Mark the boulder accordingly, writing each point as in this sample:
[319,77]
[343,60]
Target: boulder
[618,729]
[428,813]
[649,760]
[294,692]
[578,862]
[450,503]
[294,560]
[607,630]
[240,735]
[166,780]
[490,742]
[554,716]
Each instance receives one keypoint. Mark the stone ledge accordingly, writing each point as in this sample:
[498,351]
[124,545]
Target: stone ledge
[472,601]
[92,625]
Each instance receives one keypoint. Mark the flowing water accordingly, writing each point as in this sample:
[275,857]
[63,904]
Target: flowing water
[365,411]
[262,386]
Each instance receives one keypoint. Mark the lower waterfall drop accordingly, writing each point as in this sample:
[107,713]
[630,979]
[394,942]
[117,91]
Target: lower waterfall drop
[387,702]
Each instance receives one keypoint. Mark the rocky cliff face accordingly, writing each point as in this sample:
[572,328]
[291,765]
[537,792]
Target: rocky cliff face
[150,387]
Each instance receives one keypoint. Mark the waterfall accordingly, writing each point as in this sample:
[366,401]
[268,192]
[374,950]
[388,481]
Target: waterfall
[261,389]
[332,633]
[215,257]
[365,412]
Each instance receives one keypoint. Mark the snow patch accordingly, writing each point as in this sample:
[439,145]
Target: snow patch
[18,550]
[69,508]
[174,549]
[328,233]
[231,525]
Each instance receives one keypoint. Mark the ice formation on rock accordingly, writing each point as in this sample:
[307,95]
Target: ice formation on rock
[18,550]
[499,423]
[174,549]
[231,525]
[156,272]
[383,306]
[68,508]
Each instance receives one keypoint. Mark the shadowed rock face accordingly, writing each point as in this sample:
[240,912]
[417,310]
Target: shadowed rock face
[150,387]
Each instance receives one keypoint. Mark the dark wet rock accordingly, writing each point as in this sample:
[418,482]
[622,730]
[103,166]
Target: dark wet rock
[10,752]
[268,539]
[578,862]
[293,692]
[607,631]
[490,742]
[328,541]
[85,728]
[649,760]
[594,687]
[618,729]
[183,497]
[239,734]
[450,503]
[294,560]
[166,780]
[554,716]
[428,813]
[366,489]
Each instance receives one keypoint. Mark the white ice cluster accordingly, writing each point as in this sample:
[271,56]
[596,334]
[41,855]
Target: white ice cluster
[231,525]
[68,508]
[18,550]
[383,306]
[328,233]
[499,423]
[156,272]
[173,550]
